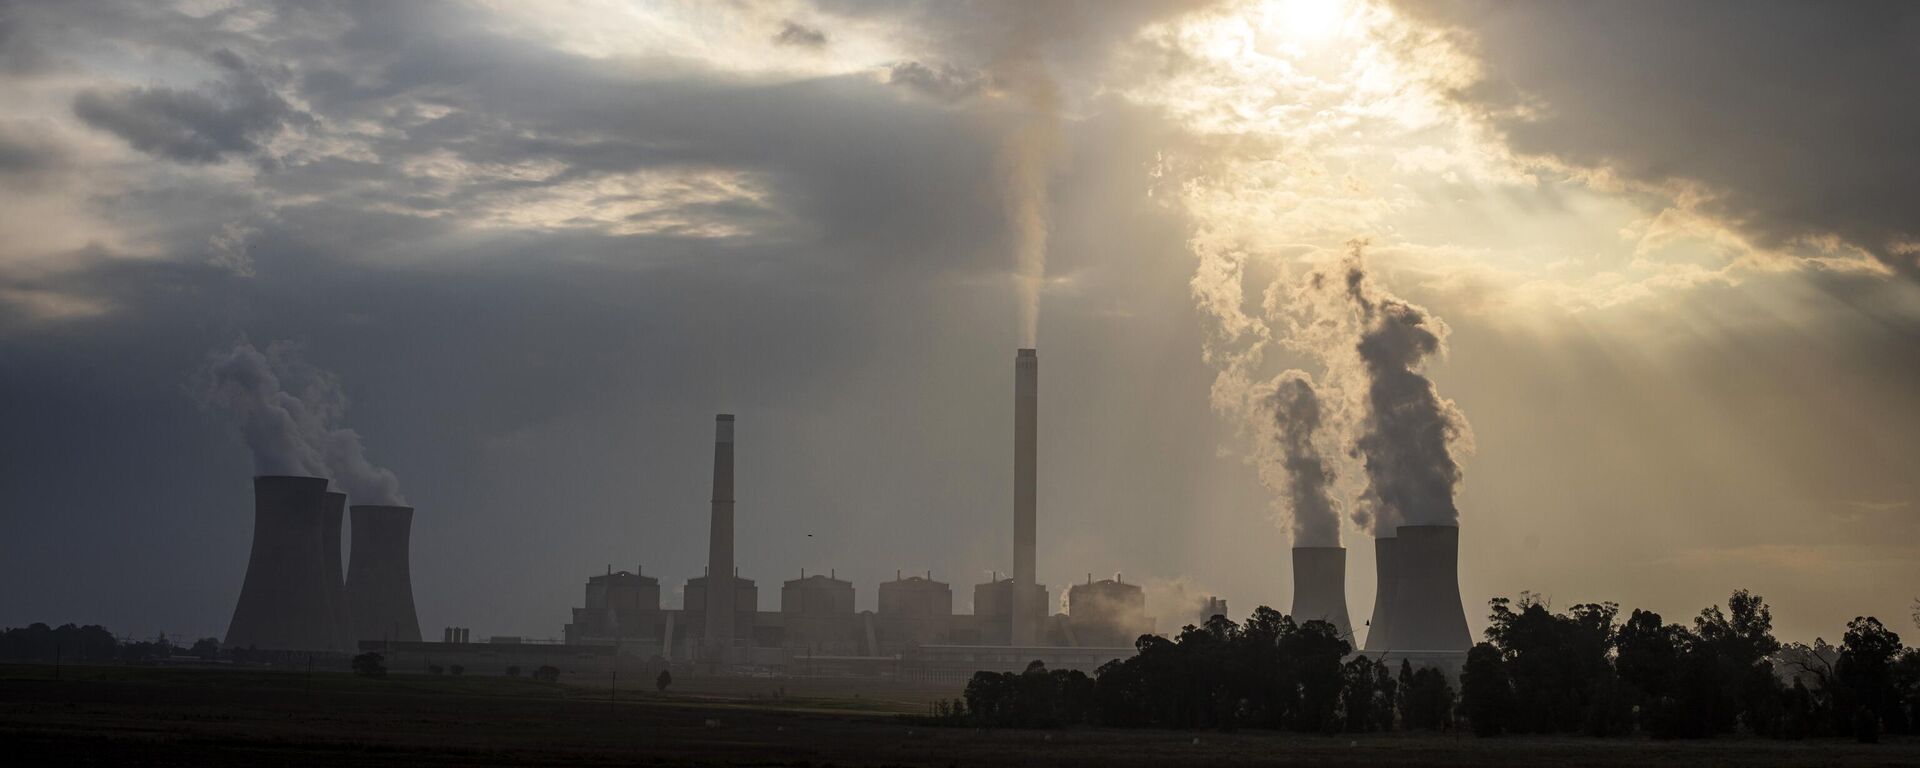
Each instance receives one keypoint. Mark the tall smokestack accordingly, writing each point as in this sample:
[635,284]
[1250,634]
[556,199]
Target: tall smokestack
[333,514]
[1386,568]
[1320,587]
[284,602]
[1026,401]
[1427,612]
[380,574]
[720,578]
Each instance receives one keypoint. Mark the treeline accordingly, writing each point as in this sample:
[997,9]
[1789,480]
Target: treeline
[1579,672]
[1269,673]
[91,643]
[1585,671]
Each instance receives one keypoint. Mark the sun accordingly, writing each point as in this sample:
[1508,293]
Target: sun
[1304,20]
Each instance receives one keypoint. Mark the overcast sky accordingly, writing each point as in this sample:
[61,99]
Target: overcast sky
[1672,249]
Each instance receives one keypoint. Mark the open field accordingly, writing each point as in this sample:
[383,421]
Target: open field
[122,715]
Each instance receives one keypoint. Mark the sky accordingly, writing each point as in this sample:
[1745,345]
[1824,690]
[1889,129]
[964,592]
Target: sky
[1649,270]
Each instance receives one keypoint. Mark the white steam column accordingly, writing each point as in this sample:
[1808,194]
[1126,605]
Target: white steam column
[1026,397]
[1320,587]
[720,580]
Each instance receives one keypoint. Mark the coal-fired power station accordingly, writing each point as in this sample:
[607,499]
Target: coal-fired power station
[295,597]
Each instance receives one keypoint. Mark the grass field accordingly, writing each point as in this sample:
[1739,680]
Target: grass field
[132,715]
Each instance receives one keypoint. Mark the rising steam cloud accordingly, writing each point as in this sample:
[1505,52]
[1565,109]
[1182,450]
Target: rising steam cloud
[1309,477]
[1027,159]
[286,412]
[1408,433]
[1373,405]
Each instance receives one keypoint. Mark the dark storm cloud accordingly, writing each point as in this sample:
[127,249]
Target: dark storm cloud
[945,82]
[1798,117]
[202,125]
[27,150]
[799,35]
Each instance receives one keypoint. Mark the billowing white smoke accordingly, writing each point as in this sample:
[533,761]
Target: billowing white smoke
[1373,403]
[286,412]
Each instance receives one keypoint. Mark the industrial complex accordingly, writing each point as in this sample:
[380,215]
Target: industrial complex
[296,597]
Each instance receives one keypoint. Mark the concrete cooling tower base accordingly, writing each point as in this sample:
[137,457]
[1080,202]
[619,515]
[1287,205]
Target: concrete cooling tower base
[1427,614]
[1320,587]
[285,604]
[1386,569]
[379,577]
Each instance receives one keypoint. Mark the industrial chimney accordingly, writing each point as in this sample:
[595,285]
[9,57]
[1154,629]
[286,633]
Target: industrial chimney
[1026,397]
[720,575]
[333,514]
[284,602]
[379,576]
[1320,587]
[1386,568]
[1427,612]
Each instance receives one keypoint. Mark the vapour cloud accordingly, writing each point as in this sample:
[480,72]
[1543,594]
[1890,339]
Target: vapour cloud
[1307,475]
[286,411]
[1409,432]
[1026,165]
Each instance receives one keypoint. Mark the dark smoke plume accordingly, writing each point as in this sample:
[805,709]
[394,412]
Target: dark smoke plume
[1408,430]
[1309,477]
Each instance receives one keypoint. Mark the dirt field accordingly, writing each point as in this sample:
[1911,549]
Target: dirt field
[119,715]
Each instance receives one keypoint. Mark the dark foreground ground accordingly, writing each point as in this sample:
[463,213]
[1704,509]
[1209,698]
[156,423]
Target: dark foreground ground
[121,715]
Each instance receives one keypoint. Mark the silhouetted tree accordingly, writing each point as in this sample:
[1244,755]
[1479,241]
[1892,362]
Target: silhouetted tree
[456,670]
[1557,662]
[1486,693]
[661,682]
[207,648]
[1357,694]
[1429,701]
[547,673]
[1865,673]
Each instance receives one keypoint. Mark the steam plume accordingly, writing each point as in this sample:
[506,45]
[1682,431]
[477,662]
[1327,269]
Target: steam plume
[1028,157]
[285,411]
[1409,430]
[1373,403]
[1308,477]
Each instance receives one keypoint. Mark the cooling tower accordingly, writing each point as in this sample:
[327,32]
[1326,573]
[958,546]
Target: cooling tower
[1427,612]
[1026,401]
[1386,568]
[379,577]
[720,599]
[1320,587]
[333,510]
[284,601]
